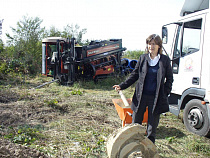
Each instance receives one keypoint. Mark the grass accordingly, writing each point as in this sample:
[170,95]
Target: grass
[77,120]
[23,134]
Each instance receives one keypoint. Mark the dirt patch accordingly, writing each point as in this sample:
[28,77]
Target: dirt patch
[15,111]
[11,150]
[15,114]
[8,96]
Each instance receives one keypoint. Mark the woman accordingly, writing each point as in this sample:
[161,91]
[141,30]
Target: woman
[154,74]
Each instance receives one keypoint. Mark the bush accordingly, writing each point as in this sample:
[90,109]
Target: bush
[133,54]
[13,65]
[3,67]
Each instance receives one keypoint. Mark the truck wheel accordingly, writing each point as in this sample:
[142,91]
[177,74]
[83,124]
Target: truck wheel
[196,118]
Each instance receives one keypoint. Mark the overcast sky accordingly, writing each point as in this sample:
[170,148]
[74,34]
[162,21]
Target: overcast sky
[131,20]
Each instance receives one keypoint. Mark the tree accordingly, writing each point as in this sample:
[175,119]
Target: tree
[69,31]
[1,46]
[26,40]
[74,31]
[54,32]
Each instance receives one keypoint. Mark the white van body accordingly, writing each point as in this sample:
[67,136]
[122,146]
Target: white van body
[187,43]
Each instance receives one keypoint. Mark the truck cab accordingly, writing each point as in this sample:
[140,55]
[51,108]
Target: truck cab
[187,43]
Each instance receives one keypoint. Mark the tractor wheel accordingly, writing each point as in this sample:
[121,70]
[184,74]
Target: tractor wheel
[130,141]
[196,118]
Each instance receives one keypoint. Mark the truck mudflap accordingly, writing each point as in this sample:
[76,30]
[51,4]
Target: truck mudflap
[130,140]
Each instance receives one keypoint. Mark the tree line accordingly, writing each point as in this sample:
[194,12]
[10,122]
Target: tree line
[22,54]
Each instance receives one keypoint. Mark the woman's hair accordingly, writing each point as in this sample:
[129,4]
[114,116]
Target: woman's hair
[157,40]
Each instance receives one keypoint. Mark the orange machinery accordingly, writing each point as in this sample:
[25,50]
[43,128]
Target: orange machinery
[125,112]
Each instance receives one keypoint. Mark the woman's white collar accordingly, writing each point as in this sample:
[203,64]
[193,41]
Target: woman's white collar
[153,62]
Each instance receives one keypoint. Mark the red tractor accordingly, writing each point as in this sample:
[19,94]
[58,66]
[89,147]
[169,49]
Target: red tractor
[65,61]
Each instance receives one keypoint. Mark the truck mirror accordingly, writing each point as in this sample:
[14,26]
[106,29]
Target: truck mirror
[164,35]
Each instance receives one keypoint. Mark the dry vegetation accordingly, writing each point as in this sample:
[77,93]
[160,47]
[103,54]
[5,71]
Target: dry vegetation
[75,121]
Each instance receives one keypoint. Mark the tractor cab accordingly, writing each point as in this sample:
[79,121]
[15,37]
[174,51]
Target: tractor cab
[49,51]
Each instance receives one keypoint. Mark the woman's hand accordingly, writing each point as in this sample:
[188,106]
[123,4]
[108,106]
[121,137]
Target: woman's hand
[117,87]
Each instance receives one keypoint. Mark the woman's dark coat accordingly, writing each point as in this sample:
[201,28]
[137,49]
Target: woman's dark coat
[164,83]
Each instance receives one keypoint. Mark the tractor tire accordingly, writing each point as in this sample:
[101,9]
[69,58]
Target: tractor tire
[130,141]
[196,119]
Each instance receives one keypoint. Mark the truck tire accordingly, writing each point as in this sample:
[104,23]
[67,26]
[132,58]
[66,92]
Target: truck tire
[196,119]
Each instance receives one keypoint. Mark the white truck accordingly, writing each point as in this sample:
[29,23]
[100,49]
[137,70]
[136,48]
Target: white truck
[187,42]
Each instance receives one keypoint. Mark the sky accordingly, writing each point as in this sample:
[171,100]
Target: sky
[130,20]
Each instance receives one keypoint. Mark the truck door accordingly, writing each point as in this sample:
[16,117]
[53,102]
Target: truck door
[185,53]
